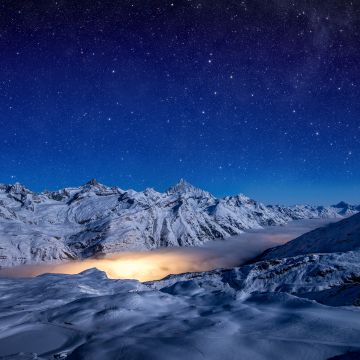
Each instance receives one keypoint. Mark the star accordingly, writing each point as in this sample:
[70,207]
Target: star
[154,82]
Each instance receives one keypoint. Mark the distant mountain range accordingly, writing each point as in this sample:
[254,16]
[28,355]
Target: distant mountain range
[94,219]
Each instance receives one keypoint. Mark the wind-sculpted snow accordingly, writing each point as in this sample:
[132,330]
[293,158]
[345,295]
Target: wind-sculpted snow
[296,307]
[305,276]
[215,315]
[76,223]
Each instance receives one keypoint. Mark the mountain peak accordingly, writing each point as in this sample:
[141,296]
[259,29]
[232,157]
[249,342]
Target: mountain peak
[341,205]
[182,186]
[182,182]
[92,182]
[17,188]
[94,185]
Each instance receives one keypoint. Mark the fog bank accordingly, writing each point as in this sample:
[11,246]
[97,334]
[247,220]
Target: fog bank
[154,265]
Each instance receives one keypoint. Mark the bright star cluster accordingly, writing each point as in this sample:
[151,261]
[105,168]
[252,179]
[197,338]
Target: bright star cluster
[252,96]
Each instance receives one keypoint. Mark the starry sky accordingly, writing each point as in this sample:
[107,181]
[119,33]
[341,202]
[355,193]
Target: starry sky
[254,96]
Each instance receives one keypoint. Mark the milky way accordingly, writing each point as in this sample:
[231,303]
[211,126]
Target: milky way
[253,96]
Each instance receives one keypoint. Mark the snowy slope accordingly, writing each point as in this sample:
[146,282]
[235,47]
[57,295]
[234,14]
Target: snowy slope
[341,236]
[96,219]
[294,307]
[199,316]
[322,264]
[309,276]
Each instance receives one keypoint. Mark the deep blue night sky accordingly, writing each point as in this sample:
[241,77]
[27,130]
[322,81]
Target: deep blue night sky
[260,97]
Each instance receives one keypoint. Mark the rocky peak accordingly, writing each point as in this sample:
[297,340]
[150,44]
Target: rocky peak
[341,205]
[182,186]
[17,188]
[94,185]
[92,182]
[241,198]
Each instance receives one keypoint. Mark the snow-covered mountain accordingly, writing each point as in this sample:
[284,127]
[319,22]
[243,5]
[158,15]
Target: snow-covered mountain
[322,264]
[338,237]
[269,309]
[95,219]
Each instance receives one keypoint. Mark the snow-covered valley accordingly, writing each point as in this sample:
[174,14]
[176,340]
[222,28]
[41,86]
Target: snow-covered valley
[298,299]
[301,306]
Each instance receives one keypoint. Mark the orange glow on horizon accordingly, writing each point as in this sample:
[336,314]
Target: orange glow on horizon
[157,264]
[142,266]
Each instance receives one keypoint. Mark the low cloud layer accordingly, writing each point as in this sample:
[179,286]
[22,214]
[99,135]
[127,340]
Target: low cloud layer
[153,265]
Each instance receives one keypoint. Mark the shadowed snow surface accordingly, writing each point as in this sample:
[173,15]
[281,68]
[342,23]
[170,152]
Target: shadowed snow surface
[304,306]
[261,311]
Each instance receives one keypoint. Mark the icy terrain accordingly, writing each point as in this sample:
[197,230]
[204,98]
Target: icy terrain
[296,307]
[93,219]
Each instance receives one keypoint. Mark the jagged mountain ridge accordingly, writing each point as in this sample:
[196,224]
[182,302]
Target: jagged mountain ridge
[95,219]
